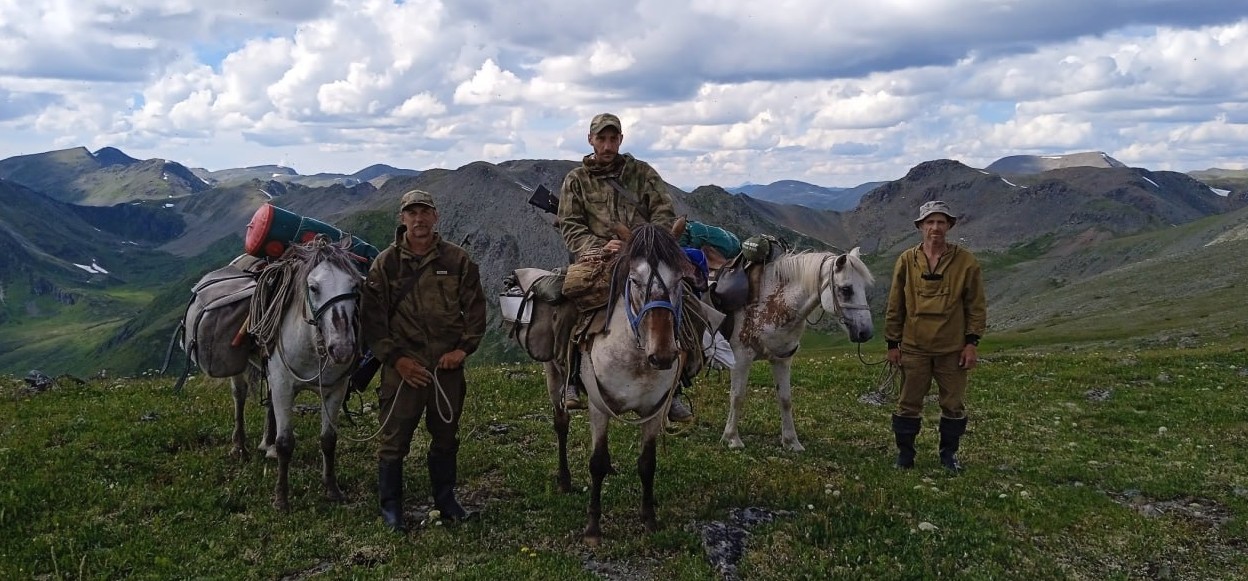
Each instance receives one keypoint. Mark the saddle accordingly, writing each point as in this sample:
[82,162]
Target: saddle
[737,282]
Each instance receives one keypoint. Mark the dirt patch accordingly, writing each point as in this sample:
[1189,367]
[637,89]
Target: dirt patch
[1197,510]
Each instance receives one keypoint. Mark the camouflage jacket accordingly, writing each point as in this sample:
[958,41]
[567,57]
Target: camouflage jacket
[444,311]
[933,316]
[589,204]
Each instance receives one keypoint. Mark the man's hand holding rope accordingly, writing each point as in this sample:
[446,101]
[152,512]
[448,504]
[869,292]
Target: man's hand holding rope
[412,372]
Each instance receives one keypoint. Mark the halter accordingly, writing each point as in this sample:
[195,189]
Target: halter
[313,317]
[839,307]
[634,317]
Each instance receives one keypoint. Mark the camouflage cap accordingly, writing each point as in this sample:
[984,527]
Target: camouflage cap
[604,120]
[935,207]
[416,197]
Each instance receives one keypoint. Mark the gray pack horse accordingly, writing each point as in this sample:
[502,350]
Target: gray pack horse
[305,316]
[633,366]
[771,324]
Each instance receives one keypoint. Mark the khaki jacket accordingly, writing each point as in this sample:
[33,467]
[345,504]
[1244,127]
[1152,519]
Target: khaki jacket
[444,311]
[933,317]
[589,205]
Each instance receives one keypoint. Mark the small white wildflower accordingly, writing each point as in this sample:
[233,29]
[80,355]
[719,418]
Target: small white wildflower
[810,507]
[1003,495]
[1162,430]
[836,493]
[927,526]
[1025,494]
[435,514]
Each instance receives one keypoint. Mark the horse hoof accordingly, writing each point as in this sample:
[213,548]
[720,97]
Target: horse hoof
[735,444]
[239,453]
[651,525]
[271,452]
[795,447]
[592,540]
[281,505]
[336,496]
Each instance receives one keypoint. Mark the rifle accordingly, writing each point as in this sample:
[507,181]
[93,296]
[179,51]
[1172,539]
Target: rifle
[544,199]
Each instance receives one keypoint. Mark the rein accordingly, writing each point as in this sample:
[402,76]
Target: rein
[595,395]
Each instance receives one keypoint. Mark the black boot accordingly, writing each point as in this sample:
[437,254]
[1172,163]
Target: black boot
[950,436]
[442,479]
[905,430]
[390,492]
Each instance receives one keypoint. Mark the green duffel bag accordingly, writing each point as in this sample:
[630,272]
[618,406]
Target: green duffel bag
[698,235]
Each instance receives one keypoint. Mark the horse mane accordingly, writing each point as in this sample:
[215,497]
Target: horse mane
[803,268]
[653,243]
[307,256]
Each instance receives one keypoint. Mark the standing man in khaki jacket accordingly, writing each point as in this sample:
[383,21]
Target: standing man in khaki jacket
[937,312]
[612,188]
[423,313]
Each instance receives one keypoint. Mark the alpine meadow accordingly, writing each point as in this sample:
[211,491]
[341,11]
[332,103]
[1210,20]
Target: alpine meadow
[1108,417]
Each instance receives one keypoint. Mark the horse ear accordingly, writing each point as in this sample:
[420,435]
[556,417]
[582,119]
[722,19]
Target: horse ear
[621,232]
[854,253]
[678,228]
[840,262]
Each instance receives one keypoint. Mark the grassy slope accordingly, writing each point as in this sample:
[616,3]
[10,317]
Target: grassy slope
[1058,486]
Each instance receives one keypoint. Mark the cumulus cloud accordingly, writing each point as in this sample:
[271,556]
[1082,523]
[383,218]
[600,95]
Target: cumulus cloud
[710,90]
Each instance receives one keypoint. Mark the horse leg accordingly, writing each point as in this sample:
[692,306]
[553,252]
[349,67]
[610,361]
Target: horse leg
[740,379]
[281,400]
[646,469]
[270,429]
[599,468]
[329,443]
[238,385]
[554,387]
[781,372]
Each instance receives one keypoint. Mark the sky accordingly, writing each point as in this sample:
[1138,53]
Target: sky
[726,92]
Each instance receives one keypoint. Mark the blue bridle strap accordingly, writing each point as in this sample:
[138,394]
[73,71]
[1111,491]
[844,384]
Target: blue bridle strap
[634,319]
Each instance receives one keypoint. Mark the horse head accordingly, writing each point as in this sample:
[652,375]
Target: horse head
[332,292]
[843,291]
[648,278]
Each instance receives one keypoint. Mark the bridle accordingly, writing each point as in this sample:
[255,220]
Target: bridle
[313,314]
[674,305]
[839,307]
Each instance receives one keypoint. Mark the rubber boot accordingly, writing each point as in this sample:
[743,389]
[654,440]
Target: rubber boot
[442,479]
[905,430]
[390,493]
[951,431]
[573,390]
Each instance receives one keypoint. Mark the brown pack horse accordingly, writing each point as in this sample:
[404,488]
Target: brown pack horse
[633,366]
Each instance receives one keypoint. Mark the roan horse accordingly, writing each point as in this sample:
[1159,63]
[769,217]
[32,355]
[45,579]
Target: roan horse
[304,314]
[771,324]
[633,366]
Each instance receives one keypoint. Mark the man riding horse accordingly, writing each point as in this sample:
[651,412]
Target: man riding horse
[609,190]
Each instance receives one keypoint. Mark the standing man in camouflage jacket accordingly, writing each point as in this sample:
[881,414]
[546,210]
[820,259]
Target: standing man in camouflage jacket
[612,188]
[936,314]
[423,313]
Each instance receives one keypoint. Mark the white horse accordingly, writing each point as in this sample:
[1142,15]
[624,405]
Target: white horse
[305,315]
[633,366]
[771,324]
